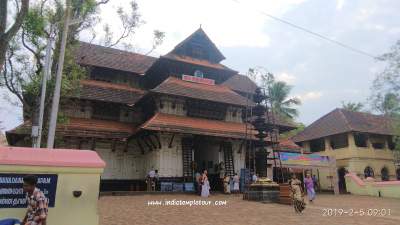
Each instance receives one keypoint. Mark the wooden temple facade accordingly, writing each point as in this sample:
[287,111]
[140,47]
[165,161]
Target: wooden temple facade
[179,113]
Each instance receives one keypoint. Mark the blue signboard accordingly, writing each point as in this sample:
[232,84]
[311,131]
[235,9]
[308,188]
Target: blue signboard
[13,196]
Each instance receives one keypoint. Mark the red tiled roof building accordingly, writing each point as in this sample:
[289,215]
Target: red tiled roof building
[180,113]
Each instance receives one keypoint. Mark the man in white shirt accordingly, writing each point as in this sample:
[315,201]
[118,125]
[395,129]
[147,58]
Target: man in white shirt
[255,178]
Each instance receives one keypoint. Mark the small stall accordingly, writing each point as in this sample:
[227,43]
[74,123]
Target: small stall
[322,168]
[69,179]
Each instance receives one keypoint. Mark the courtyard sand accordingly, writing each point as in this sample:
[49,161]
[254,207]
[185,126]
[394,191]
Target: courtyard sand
[128,210]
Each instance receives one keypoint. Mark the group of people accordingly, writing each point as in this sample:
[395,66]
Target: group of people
[202,184]
[228,180]
[297,192]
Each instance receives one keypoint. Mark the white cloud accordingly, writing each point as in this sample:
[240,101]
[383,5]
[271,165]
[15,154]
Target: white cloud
[228,23]
[285,77]
[312,95]
[339,4]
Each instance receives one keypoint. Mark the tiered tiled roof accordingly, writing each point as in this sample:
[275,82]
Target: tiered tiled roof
[80,127]
[342,121]
[241,83]
[183,124]
[194,61]
[214,93]
[95,55]
[109,92]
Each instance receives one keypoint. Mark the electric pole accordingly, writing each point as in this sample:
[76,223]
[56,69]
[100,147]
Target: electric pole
[57,89]
[45,78]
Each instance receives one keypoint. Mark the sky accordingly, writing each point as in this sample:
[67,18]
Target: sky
[322,74]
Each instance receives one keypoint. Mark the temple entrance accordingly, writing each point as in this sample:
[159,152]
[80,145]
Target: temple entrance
[208,153]
[342,181]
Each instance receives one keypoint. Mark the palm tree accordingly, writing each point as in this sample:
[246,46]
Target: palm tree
[281,103]
[353,106]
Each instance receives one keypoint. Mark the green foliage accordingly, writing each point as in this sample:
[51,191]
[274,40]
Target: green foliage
[353,106]
[385,96]
[35,24]
[278,92]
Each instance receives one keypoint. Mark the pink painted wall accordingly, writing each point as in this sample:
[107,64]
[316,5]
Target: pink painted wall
[47,157]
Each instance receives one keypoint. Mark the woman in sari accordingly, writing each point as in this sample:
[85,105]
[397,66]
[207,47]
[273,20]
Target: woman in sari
[297,194]
[205,187]
[309,182]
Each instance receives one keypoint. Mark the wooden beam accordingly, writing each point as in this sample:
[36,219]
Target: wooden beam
[147,144]
[157,136]
[140,146]
[171,141]
[241,146]
[148,137]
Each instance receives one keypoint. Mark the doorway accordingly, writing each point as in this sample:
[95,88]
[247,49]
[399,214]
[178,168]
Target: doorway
[342,180]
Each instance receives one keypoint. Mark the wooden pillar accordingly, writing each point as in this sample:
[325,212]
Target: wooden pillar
[352,143]
[328,146]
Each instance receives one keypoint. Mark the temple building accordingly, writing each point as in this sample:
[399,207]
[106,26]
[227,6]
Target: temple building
[180,113]
[360,142]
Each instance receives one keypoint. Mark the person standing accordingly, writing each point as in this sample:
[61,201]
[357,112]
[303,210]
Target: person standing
[236,181]
[309,182]
[297,194]
[254,178]
[205,187]
[197,183]
[227,187]
[37,203]
[150,180]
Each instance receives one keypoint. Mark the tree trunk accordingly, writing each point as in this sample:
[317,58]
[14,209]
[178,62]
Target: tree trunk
[6,36]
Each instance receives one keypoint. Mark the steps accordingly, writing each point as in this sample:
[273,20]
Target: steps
[187,146]
[228,159]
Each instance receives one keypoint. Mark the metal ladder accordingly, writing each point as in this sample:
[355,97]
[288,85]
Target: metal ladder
[187,146]
[228,158]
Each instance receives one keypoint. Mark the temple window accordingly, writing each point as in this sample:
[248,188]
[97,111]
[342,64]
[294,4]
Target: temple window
[391,143]
[361,140]
[368,172]
[378,145]
[106,111]
[205,109]
[339,141]
[317,145]
[385,174]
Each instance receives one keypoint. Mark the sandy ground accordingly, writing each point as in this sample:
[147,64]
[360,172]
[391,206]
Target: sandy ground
[232,210]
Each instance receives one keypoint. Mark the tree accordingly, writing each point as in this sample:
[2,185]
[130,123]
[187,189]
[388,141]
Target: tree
[278,92]
[385,96]
[353,106]
[6,35]
[23,68]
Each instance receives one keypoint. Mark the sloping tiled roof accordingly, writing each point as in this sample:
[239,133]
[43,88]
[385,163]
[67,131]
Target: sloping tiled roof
[200,32]
[183,124]
[341,121]
[108,92]
[95,55]
[80,127]
[241,83]
[214,93]
[200,62]
[287,145]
